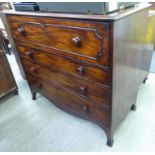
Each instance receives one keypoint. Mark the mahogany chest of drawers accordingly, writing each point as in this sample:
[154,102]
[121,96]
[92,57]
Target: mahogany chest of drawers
[88,65]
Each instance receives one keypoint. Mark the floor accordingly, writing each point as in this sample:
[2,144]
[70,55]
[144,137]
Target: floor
[152,67]
[27,125]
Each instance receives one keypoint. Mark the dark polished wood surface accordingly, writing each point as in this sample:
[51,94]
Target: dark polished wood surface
[87,41]
[88,67]
[7,81]
[129,58]
[69,101]
[93,92]
[82,69]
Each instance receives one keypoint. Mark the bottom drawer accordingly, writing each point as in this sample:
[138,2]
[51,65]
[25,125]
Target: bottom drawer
[70,102]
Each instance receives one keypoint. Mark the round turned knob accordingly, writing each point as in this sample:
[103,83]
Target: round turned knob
[33,69]
[84,109]
[76,41]
[21,30]
[83,90]
[29,54]
[80,70]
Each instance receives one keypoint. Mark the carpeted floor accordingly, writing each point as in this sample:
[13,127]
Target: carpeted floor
[27,125]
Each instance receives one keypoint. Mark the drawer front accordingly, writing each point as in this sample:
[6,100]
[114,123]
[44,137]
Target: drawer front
[78,69]
[70,102]
[86,41]
[92,92]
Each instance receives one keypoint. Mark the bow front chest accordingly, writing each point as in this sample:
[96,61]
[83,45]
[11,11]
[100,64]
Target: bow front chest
[88,65]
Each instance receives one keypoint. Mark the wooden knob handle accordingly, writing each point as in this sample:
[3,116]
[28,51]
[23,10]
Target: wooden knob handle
[33,69]
[21,30]
[29,54]
[80,70]
[84,90]
[84,109]
[76,41]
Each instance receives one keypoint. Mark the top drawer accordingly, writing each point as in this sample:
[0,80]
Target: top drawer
[83,40]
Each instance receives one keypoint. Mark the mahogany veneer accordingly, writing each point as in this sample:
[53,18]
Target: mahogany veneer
[89,67]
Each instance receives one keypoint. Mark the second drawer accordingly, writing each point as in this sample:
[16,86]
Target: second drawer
[75,68]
